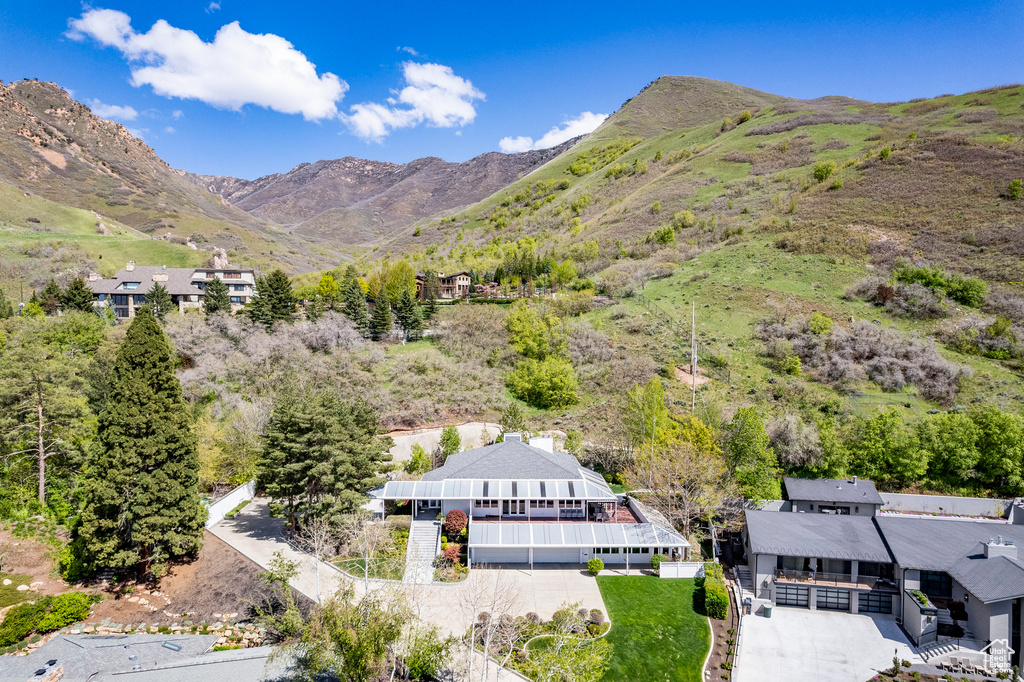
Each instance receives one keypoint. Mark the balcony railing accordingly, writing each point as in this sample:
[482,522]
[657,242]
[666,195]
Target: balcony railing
[835,579]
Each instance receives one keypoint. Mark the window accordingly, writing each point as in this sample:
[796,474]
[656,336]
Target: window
[825,509]
[237,299]
[936,584]
[140,299]
[238,287]
[232,275]
[120,299]
[103,297]
[130,286]
[121,312]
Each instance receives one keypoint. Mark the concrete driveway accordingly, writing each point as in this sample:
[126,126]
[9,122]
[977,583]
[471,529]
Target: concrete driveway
[799,645]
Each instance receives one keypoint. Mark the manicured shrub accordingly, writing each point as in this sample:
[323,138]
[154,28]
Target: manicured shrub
[455,521]
[656,560]
[452,553]
[595,566]
[716,598]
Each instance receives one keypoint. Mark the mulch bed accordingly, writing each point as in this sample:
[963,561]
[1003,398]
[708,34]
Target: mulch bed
[723,652]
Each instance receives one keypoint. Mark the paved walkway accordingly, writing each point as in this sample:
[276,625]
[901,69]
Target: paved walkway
[423,547]
[800,645]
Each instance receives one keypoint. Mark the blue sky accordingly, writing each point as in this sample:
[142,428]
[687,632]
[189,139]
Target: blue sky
[312,80]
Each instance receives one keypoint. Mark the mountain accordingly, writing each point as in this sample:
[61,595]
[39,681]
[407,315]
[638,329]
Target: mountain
[352,201]
[55,148]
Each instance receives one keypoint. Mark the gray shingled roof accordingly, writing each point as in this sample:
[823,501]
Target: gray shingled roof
[510,460]
[990,579]
[573,535]
[179,281]
[936,544]
[832,490]
[827,536]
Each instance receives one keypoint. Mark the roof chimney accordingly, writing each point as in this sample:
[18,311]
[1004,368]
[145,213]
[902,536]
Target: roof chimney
[543,442]
[1000,547]
[94,276]
[855,480]
[130,266]
[517,437]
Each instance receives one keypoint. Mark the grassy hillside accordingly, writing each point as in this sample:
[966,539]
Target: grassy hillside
[756,202]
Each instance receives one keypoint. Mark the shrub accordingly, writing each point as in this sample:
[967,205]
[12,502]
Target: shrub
[21,620]
[966,290]
[452,553]
[65,609]
[819,324]
[656,560]
[836,184]
[883,154]
[419,463]
[455,521]
[1015,189]
[716,598]
[823,170]
[683,220]
[544,383]
[744,117]
[596,616]
[595,566]
[656,207]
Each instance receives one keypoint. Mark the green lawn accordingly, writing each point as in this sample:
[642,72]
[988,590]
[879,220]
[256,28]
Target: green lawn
[9,594]
[656,635]
[385,569]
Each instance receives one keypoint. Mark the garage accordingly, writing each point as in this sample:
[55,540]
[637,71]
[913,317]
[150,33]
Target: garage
[561,555]
[503,555]
[792,595]
[833,600]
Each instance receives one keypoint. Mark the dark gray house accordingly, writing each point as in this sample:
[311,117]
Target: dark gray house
[850,497]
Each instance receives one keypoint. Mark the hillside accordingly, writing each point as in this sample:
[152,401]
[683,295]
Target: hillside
[55,148]
[350,201]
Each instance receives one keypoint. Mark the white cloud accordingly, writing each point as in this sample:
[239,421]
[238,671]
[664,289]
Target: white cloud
[433,95]
[138,132]
[177,113]
[583,124]
[212,7]
[113,111]
[408,50]
[169,130]
[236,69]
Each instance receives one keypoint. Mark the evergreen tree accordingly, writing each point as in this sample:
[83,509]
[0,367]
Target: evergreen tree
[141,483]
[6,307]
[407,311]
[159,301]
[77,296]
[380,323]
[432,289]
[355,307]
[49,299]
[216,298]
[274,301]
[321,454]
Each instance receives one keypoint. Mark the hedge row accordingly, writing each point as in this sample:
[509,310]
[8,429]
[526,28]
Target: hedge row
[716,595]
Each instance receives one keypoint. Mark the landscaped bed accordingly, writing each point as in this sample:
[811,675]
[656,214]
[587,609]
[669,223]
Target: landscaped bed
[656,634]
[9,594]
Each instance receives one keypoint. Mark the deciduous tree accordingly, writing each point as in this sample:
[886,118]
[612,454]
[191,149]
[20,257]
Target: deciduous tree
[749,457]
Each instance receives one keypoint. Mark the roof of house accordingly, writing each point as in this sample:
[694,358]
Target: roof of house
[936,544]
[109,657]
[511,460]
[573,535]
[832,490]
[990,579]
[179,281]
[829,536]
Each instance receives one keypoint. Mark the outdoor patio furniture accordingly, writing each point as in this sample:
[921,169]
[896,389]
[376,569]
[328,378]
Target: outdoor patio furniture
[954,664]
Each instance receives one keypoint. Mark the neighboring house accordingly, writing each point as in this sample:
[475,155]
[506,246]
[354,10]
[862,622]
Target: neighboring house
[456,285]
[144,658]
[126,291]
[833,496]
[969,569]
[527,503]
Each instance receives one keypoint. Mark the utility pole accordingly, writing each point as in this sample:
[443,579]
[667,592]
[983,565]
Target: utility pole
[693,357]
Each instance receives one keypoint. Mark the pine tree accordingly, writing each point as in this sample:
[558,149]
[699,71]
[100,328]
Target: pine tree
[380,322]
[49,299]
[215,297]
[407,312]
[321,454]
[159,301]
[77,296]
[274,301]
[355,307]
[432,288]
[141,482]
[6,307]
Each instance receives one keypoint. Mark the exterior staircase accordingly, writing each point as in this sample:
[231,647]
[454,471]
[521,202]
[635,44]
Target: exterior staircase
[424,541]
[745,580]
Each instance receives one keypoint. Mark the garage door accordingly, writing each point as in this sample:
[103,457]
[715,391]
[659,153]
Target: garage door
[870,602]
[791,595]
[548,555]
[501,555]
[833,600]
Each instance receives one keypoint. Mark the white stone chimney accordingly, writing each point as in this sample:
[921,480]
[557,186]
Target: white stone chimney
[94,276]
[517,437]
[1000,547]
[130,266]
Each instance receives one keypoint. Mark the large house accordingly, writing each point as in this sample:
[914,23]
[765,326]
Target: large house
[834,547]
[455,285]
[126,291]
[528,504]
